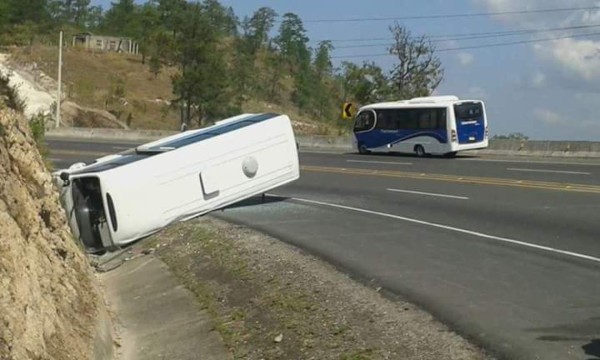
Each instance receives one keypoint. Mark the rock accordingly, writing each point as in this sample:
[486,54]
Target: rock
[48,296]
[79,116]
[148,251]
[278,338]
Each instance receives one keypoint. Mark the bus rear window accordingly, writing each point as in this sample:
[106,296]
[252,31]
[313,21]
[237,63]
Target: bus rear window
[471,110]
[364,121]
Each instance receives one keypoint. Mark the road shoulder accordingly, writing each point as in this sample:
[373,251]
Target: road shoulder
[156,317]
[268,299]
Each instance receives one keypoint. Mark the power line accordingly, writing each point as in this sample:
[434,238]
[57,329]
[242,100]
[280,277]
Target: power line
[475,47]
[471,34]
[463,15]
[474,37]
[518,42]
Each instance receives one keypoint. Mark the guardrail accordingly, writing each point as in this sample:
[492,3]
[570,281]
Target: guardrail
[582,149]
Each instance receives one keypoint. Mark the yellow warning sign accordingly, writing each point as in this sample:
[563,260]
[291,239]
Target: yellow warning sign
[348,111]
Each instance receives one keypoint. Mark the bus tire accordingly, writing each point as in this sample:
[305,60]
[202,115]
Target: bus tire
[420,151]
[362,149]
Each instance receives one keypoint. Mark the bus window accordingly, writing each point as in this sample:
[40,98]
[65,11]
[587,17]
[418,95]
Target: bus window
[442,122]
[408,119]
[466,111]
[431,119]
[386,120]
[364,121]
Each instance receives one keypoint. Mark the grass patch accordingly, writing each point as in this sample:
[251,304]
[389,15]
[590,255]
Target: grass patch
[111,82]
[122,85]
[251,305]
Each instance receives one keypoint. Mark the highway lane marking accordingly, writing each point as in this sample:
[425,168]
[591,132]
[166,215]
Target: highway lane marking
[379,162]
[594,189]
[455,229]
[78,153]
[429,194]
[516,161]
[122,147]
[550,171]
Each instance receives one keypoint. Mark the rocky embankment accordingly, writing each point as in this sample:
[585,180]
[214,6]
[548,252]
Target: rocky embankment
[49,301]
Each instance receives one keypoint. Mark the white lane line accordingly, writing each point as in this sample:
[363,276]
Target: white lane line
[550,171]
[379,162]
[429,194]
[451,228]
[122,147]
[516,161]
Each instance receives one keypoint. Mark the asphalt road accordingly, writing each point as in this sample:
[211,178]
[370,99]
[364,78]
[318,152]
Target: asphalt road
[504,250]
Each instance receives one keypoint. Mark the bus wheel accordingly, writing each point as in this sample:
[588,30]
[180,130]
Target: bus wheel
[420,151]
[362,149]
[450,155]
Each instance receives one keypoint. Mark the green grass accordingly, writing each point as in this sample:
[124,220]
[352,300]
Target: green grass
[251,307]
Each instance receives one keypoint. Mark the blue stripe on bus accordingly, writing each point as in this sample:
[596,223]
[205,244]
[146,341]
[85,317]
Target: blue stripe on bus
[380,138]
[216,131]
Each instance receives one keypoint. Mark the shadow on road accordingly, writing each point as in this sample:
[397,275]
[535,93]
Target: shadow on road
[593,349]
[411,156]
[257,201]
[583,332]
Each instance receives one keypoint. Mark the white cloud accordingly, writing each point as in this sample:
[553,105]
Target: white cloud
[465,58]
[548,117]
[575,57]
[580,57]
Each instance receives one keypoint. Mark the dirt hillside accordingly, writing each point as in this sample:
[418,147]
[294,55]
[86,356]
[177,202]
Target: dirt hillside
[48,298]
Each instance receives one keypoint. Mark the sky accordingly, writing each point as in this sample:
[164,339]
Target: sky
[547,90]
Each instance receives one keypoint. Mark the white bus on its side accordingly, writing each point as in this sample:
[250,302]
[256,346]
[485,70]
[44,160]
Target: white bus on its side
[124,197]
[439,125]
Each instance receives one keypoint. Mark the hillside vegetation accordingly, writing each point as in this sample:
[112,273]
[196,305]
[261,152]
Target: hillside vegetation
[122,85]
[199,62]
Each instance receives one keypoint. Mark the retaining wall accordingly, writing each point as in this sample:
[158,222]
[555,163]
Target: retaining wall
[589,149]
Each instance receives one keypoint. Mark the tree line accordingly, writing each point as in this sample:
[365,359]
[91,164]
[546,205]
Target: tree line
[225,61]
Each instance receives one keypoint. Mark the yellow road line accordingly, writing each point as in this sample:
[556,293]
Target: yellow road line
[458,179]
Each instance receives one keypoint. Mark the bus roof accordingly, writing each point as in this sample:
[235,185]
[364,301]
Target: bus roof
[430,101]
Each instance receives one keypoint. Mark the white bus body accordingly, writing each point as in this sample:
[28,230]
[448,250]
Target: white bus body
[442,125]
[124,197]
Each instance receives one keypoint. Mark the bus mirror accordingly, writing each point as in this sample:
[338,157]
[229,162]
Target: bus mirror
[64,176]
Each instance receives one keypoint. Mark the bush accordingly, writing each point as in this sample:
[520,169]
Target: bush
[38,130]
[9,95]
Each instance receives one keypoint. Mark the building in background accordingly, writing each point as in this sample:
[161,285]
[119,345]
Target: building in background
[105,43]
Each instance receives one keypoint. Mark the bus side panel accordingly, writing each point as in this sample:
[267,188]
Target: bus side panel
[251,167]
[434,141]
[430,144]
[153,193]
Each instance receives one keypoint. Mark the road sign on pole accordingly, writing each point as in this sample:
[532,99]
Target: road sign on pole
[348,111]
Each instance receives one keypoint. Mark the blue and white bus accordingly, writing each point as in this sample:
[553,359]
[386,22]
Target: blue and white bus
[437,125]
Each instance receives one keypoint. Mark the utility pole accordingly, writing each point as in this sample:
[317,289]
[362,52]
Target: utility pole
[60,46]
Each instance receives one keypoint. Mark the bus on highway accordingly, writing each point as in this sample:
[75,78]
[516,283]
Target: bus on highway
[124,197]
[436,125]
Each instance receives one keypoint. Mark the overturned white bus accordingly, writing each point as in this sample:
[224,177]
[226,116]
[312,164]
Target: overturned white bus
[124,197]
